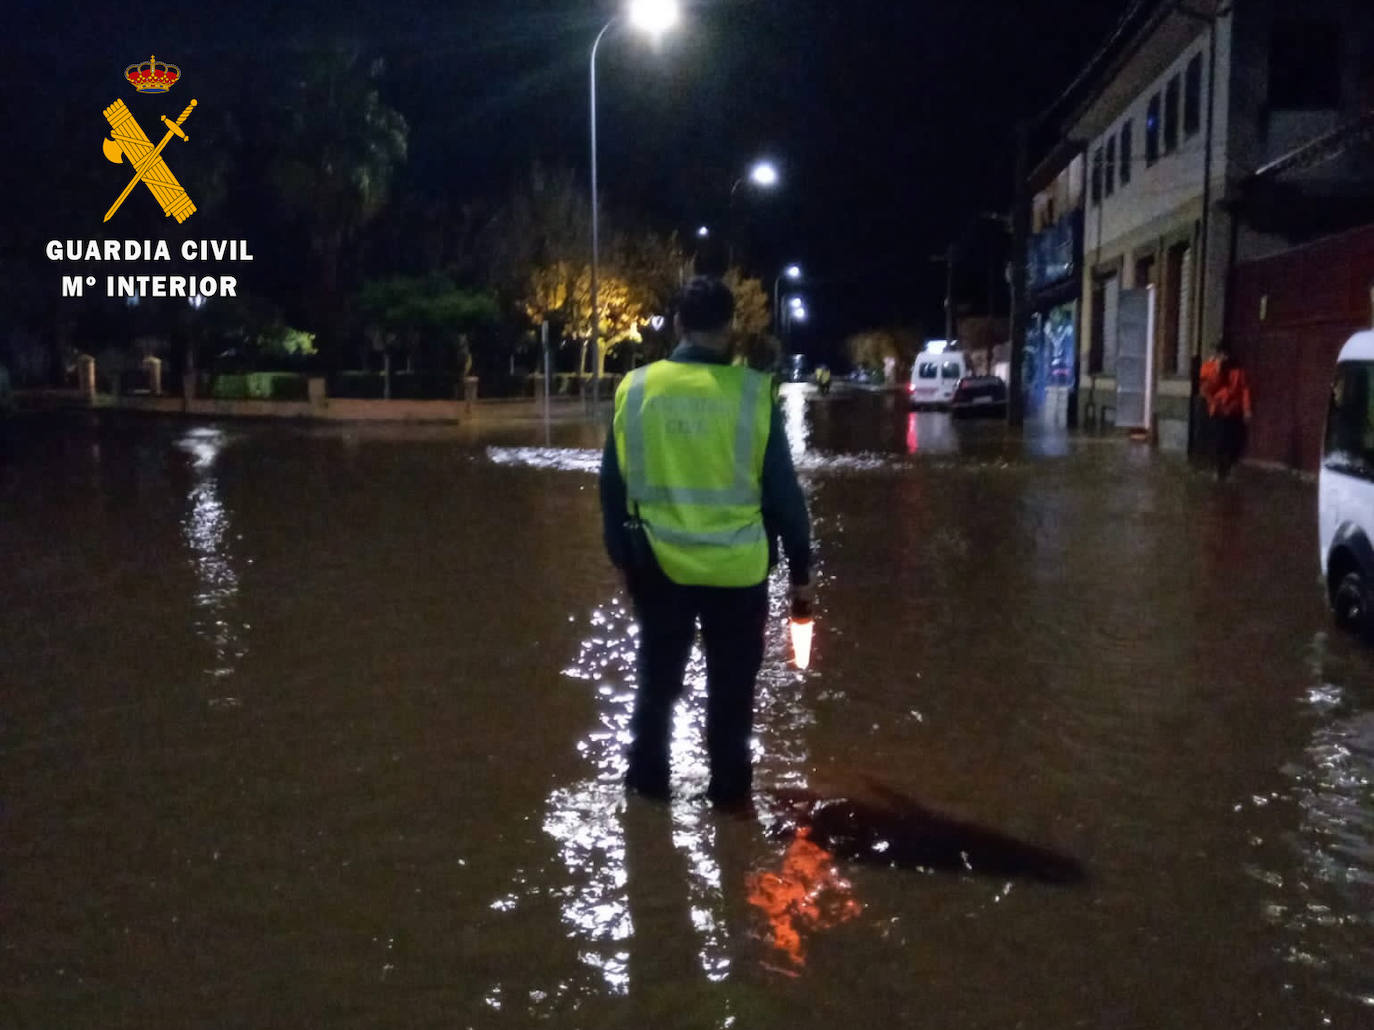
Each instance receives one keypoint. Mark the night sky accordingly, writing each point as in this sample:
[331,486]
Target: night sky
[892,122]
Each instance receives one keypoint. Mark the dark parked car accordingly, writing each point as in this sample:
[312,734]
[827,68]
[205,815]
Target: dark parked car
[979,395]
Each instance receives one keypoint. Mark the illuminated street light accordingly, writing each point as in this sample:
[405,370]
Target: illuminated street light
[703,233]
[653,17]
[764,174]
[792,272]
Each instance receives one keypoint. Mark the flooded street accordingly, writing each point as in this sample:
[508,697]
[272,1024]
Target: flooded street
[322,726]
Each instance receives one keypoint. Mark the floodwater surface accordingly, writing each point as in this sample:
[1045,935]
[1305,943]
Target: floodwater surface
[322,726]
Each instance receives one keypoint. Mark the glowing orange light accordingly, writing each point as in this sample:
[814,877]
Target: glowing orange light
[802,630]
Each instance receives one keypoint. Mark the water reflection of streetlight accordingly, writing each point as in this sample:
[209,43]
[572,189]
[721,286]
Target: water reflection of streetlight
[793,400]
[206,531]
[588,819]
[592,826]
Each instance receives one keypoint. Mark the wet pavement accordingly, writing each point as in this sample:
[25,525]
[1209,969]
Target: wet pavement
[321,726]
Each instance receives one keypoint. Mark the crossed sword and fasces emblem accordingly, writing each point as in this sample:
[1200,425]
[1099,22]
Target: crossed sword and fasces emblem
[128,140]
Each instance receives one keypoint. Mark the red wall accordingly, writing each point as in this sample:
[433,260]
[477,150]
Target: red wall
[1318,295]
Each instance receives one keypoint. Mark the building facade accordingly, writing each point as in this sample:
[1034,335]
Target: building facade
[1184,104]
[1054,264]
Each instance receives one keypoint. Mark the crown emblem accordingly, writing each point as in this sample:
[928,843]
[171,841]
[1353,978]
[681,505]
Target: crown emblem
[152,76]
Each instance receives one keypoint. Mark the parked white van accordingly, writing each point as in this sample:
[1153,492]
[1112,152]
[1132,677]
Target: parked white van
[1345,505]
[934,376]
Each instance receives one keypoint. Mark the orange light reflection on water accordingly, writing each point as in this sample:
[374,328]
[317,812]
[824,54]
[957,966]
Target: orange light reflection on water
[806,895]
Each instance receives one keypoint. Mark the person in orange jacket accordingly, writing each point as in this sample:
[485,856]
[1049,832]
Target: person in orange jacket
[1226,390]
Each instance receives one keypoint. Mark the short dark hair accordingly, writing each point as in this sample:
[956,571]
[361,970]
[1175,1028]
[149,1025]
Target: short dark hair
[705,305]
[1224,348]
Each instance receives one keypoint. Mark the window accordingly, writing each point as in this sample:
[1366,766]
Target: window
[1127,131]
[1152,131]
[1171,116]
[1109,187]
[1097,176]
[951,370]
[927,370]
[1192,96]
[1175,312]
[1350,421]
[1304,65]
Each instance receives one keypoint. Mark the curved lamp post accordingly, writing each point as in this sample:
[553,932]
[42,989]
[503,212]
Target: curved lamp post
[653,17]
[763,175]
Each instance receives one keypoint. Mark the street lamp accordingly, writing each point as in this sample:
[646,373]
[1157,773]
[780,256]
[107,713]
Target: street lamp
[794,274]
[653,17]
[763,175]
[795,312]
[703,233]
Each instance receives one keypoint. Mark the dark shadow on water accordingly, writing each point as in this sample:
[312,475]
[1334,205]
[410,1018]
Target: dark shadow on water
[897,831]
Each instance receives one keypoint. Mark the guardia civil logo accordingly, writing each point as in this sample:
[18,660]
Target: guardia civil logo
[127,140]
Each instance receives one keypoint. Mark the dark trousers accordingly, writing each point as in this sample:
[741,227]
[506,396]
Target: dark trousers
[1228,432]
[732,625]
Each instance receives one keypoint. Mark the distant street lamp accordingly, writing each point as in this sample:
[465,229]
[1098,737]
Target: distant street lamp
[763,175]
[795,312]
[653,17]
[793,273]
[703,233]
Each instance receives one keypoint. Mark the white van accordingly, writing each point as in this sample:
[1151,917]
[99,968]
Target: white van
[934,375]
[1345,505]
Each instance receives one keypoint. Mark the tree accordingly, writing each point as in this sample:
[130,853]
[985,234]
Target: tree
[655,266]
[414,312]
[544,221]
[870,349]
[334,150]
[248,330]
[752,311]
[561,294]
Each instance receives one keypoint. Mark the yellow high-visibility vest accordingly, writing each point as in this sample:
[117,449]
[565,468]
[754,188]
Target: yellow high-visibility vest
[690,439]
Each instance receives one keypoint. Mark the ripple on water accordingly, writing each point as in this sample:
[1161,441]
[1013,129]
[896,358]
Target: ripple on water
[1322,875]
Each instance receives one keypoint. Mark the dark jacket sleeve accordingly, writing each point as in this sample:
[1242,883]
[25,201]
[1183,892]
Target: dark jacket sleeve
[614,512]
[784,504]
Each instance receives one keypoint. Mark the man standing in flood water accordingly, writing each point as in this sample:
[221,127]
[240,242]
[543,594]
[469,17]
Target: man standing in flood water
[1226,390]
[697,484]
